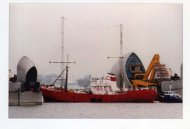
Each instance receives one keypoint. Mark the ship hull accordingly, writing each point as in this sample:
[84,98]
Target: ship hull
[59,95]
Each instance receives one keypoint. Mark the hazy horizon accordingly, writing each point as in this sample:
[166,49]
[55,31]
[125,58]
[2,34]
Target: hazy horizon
[92,34]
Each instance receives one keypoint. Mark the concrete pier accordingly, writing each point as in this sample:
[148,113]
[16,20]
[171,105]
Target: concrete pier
[25,90]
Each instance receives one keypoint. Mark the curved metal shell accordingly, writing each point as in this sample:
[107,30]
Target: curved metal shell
[130,59]
[26,70]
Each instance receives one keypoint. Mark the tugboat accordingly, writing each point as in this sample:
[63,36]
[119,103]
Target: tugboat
[170,96]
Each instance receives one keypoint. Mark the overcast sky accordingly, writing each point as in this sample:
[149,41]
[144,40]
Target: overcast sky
[92,34]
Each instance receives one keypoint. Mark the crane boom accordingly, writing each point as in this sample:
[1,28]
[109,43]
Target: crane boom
[150,70]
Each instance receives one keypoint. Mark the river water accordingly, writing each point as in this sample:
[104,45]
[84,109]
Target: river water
[154,110]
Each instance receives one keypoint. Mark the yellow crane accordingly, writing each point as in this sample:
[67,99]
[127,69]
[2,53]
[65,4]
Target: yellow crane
[148,76]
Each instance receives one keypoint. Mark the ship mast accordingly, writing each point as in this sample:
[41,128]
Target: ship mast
[67,72]
[62,50]
[61,76]
[121,58]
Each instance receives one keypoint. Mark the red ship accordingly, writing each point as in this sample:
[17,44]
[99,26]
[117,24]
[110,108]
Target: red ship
[129,70]
[98,93]
[59,95]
